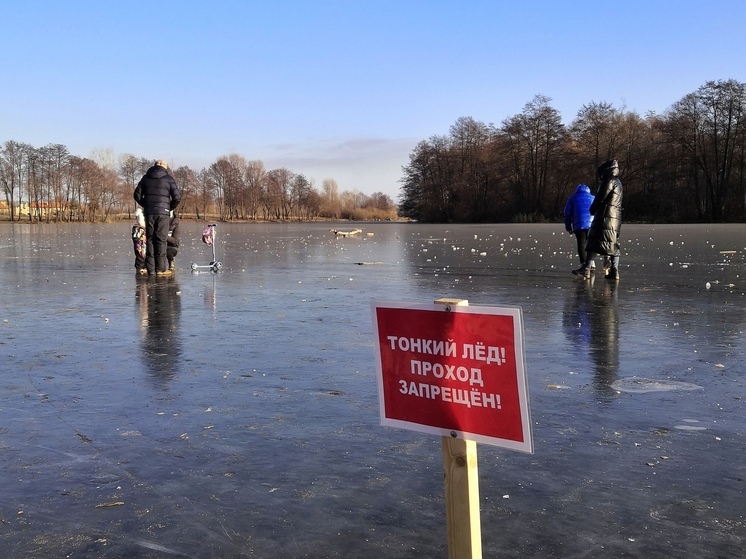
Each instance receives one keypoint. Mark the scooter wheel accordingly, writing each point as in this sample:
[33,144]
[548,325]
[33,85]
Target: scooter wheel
[194,266]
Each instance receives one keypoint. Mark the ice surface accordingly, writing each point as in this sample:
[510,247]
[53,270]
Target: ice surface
[235,414]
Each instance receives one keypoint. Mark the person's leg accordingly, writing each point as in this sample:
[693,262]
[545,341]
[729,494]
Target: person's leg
[613,273]
[581,236]
[588,265]
[171,255]
[150,221]
[160,243]
[139,262]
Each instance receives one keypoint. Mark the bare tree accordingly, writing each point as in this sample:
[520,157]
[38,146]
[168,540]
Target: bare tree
[206,192]
[34,189]
[428,185]
[709,127]
[469,140]
[300,189]
[313,204]
[13,171]
[254,178]
[276,198]
[381,201]
[104,158]
[131,170]
[228,177]
[536,135]
[330,205]
[57,159]
[238,186]
[189,186]
[220,176]
[595,129]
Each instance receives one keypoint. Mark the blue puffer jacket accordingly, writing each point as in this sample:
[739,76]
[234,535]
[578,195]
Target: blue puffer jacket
[157,192]
[577,209]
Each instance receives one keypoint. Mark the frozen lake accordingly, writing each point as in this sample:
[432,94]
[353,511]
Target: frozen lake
[235,414]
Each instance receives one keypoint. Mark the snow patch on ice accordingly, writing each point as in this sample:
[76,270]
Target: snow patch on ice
[639,385]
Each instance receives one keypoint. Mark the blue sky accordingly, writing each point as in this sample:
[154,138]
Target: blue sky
[335,89]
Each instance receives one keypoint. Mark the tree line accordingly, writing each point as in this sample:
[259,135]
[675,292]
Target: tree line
[686,165]
[50,184]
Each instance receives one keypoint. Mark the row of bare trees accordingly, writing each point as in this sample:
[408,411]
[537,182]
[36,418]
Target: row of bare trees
[50,184]
[688,164]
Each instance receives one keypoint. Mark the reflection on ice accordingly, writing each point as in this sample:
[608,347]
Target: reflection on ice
[159,309]
[638,385]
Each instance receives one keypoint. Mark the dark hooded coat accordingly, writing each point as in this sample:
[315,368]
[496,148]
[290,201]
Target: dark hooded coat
[603,236]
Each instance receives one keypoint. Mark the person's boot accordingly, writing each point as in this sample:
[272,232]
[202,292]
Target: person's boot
[607,265]
[585,271]
[612,274]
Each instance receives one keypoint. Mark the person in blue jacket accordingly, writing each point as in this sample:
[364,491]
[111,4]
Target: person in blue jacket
[578,218]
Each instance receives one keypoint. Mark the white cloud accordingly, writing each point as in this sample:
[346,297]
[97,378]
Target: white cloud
[365,164]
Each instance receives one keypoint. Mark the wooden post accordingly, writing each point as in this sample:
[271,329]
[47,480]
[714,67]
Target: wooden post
[461,484]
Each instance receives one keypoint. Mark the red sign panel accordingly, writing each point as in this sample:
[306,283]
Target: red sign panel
[453,371]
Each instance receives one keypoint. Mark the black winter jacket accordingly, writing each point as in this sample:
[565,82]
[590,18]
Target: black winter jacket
[157,192]
[603,236]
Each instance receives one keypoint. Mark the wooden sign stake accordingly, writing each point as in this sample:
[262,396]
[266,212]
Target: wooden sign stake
[461,484]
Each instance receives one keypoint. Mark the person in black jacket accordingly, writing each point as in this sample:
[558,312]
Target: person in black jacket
[158,194]
[603,236]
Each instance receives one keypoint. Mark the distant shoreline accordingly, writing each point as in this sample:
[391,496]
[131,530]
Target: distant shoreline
[125,219]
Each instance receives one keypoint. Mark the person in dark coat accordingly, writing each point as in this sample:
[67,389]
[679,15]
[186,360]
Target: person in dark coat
[603,236]
[578,218]
[158,194]
[173,240]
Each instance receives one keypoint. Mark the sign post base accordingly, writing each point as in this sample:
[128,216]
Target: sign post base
[461,483]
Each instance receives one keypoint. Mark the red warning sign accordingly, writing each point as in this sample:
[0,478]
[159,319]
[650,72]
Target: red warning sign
[453,371]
